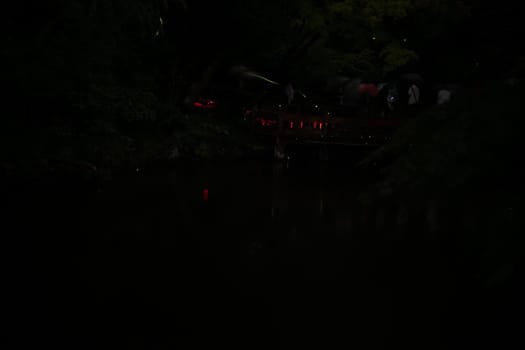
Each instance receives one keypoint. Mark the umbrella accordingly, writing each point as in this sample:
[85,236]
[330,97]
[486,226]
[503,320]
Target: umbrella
[368,88]
[450,87]
[351,92]
[371,79]
[413,77]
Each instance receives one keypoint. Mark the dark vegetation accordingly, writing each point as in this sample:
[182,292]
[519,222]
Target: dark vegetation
[110,84]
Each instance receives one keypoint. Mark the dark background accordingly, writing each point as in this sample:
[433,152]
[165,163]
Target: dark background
[107,240]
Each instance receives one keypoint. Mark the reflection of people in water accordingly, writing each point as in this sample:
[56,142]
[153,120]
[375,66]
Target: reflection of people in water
[278,150]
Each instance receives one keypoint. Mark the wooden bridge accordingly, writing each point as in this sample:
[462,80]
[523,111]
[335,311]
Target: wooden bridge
[294,128]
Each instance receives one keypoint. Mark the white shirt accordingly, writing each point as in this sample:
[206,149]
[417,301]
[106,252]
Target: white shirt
[443,97]
[413,95]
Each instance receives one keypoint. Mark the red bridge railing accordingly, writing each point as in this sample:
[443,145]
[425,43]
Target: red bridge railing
[305,128]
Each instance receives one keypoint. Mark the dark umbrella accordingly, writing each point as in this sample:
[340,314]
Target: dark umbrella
[371,79]
[412,77]
[368,88]
[450,87]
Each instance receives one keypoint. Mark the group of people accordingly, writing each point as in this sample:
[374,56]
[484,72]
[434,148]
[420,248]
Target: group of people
[404,96]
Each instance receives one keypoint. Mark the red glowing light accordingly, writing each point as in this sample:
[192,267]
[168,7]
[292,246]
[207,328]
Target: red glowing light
[291,124]
[315,125]
[267,122]
[205,104]
[321,125]
[301,124]
[205,194]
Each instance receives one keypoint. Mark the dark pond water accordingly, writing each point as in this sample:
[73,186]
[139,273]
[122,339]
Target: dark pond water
[252,255]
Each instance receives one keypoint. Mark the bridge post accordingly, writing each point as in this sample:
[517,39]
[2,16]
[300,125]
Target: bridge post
[279,147]
[281,122]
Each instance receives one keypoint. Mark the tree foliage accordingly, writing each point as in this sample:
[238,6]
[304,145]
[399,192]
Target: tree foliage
[125,67]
